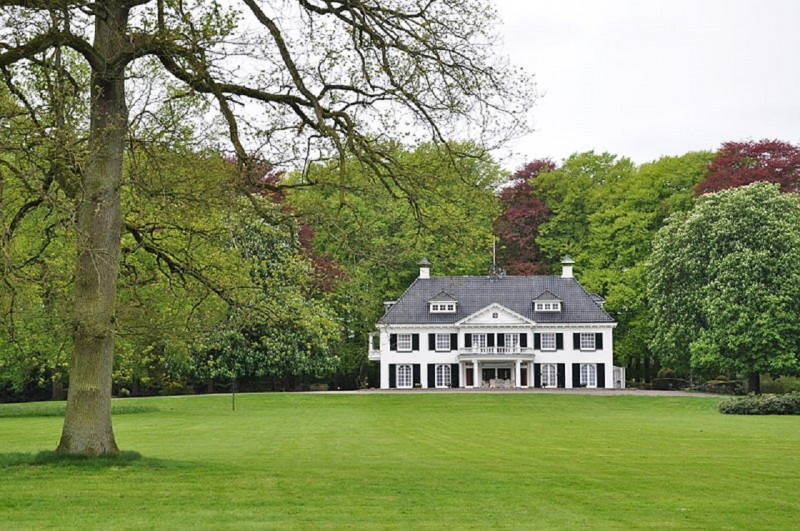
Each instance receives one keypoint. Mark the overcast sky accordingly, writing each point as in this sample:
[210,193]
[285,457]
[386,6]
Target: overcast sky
[649,78]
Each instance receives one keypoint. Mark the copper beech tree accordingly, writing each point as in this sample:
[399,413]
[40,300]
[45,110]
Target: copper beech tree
[294,81]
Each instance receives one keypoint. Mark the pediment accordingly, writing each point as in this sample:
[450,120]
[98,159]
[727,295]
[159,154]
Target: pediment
[494,314]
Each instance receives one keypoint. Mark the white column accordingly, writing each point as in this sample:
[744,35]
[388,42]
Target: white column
[517,382]
[476,374]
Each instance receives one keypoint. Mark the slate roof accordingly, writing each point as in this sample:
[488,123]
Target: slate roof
[442,296]
[515,293]
[546,295]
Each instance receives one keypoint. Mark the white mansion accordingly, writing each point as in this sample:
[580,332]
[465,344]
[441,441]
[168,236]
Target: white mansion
[496,331]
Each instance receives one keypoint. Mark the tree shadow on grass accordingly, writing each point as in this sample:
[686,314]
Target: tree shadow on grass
[59,459]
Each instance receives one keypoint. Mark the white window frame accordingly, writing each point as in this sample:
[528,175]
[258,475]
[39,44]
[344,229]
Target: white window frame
[549,375]
[442,343]
[548,341]
[588,341]
[443,307]
[405,376]
[548,307]
[511,341]
[478,340]
[444,376]
[404,343]
[589,374]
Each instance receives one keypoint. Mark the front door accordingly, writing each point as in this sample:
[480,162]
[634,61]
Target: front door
[468,375]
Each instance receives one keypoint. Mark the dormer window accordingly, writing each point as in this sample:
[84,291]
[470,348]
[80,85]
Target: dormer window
[443,307]
[547,306]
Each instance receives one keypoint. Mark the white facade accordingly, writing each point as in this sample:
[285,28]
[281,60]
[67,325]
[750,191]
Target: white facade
[460,332]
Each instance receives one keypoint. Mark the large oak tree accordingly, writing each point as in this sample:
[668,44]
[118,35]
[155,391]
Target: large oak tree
[296,80]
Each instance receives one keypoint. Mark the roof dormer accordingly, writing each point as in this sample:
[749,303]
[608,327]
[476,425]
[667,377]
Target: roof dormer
[443,302]
[546,301]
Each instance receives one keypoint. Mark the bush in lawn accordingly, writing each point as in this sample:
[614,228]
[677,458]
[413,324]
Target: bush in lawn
[780,386]
[722,387]
[762,405]
[665,372]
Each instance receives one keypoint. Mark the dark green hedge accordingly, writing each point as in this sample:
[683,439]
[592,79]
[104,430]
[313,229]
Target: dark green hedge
[762,405]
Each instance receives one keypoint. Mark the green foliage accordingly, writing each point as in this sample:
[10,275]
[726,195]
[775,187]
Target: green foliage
[765,404]
[780,385]
[724,284]
[443,209]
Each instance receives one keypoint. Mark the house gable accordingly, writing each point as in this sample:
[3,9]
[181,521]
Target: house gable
[494,314]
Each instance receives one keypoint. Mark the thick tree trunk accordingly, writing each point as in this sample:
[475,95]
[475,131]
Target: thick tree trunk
[87,424]
[754,383]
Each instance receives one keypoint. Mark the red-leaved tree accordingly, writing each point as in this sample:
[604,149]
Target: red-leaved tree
[742,163]
[518,225]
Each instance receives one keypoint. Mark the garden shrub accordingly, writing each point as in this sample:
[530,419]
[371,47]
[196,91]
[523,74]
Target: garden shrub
[781,385]
[762,405]
[666,372]
[669,384]
[723,387]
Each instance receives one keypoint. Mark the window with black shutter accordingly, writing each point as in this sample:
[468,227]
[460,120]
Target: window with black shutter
[561,369]
[467,340]
[559,341]
[576,341]
[489,340]
[431,342]
[537,341]
[598,340]
[417,375]
[501,340]
[431,376]
[576,375]
[453,341]
[454,381]
[537,374]
[392,376]
[601,375]
[523,340]
[414,341]
[392,341]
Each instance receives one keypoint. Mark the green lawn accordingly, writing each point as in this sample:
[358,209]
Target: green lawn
[415,460]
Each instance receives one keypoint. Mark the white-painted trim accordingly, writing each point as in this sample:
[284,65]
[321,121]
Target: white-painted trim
[496,306]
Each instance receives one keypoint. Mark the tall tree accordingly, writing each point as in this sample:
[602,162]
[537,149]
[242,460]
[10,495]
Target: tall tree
[742,163]
[343,71]
[724,284]
[518,225]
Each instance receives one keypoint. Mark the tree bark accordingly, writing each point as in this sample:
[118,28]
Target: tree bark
[754,383]
[87,424]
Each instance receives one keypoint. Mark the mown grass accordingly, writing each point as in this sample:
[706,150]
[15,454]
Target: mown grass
[413,461]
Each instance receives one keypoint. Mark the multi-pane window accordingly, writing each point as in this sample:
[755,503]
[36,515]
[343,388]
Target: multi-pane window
[512,341]
[549,375]
[548,340]
[442,342]
[589,374]
[587,341]
[404,376]
[439,307]
[548,307]
[404,342]
[443,376]
[479,340]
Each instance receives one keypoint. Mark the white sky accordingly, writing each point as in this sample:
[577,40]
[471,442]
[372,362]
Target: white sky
[649,78]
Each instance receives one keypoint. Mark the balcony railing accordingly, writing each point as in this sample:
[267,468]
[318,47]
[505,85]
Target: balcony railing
[496,350]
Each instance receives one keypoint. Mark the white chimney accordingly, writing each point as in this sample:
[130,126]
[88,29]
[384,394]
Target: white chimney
[424,268]
[566,267]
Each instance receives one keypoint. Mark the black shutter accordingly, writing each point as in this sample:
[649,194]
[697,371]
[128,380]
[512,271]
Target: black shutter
[561,370]
[489,340]
[576,341]
[454,375]
[576,375]
[559,341]
[467,340]
[537,374]
[453,341]
[431,341]
[501,340]
[431,376]
[598,340]
[523,340]
[392,375]
[537,341]
[392,341]
[414,341]
[417,378]
[601,375]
